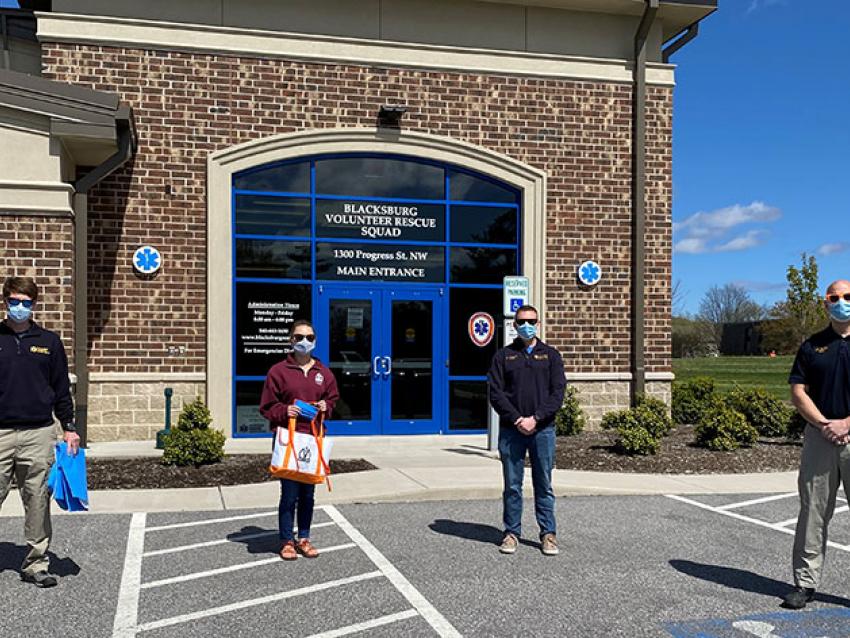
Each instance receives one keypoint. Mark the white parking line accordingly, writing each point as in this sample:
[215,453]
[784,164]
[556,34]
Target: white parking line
[369,624]
[127,610]
[223,609]
[419,602]
[210,521]
[232,539]
[748,519]
[791,521]
[233,568]
[756,501]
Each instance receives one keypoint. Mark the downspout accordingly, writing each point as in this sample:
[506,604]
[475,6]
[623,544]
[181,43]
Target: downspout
[638,363]
[126,148]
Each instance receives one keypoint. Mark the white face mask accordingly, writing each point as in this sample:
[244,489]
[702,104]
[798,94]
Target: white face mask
[304,346]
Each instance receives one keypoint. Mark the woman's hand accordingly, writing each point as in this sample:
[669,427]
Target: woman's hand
[322,405]
[293,411]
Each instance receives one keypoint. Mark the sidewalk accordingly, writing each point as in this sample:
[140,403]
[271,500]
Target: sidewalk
[409,469]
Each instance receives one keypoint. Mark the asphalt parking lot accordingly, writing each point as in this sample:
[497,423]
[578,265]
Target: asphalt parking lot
[708,567]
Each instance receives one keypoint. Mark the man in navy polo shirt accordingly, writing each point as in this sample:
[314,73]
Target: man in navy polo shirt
[820,390]
[527,384]
[33,386]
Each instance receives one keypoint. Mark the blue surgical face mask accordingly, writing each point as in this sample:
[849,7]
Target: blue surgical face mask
[304,346]
[526,331]
[840,310]
[19,313]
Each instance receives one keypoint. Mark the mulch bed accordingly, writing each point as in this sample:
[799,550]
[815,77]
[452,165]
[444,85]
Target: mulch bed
[150,473]
[595,451]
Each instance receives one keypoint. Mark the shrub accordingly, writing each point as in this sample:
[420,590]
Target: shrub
[658,422]
[691,399]
[796,426]
[763,411]
[193,447]
[638,430]
[194,416]
[192,442]
[570,419]
[722,428]
[637,440]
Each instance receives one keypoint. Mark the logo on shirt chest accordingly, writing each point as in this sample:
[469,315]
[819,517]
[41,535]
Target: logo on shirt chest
[320,378]
[39,350]
[541,357]
[822,349]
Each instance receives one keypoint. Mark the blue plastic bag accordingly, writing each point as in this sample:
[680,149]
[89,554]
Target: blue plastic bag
[308,411]
[67,480]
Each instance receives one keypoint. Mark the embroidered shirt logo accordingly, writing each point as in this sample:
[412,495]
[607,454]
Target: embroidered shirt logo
[541,357]
[822,349]
[320,378]
[39,350]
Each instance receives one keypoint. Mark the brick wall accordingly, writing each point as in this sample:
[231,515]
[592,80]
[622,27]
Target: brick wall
[189,105]
[43,248]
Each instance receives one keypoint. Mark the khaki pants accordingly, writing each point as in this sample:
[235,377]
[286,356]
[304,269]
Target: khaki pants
[823,466]
[28,453]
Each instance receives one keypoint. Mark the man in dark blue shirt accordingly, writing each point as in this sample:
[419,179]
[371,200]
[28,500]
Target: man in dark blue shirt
[820,390]
[527,384]
[34,386]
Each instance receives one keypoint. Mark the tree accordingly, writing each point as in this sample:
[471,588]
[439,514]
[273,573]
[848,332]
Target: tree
[730,303]
[677,298]
[801,314]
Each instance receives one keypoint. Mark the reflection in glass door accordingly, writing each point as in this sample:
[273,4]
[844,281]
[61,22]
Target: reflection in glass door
[381,346]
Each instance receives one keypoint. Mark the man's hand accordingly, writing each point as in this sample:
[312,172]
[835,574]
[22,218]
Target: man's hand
[73,441]
[527,425]
[836,431]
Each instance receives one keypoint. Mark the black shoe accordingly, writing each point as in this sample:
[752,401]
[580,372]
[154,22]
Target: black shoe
[798,597]
[40,579]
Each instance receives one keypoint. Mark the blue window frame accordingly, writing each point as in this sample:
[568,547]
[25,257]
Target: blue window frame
[299,224]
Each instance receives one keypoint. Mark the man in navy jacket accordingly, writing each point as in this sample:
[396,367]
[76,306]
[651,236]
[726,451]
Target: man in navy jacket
[34,386]
[527,387]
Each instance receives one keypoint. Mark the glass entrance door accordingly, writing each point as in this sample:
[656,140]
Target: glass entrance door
[381,346]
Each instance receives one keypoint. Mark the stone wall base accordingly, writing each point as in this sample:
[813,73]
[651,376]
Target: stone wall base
[133,410]
[600,397]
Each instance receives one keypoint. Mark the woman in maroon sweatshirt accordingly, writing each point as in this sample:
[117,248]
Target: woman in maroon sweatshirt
[299,376]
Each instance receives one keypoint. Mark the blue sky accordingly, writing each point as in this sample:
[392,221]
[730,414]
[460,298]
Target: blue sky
[761,146]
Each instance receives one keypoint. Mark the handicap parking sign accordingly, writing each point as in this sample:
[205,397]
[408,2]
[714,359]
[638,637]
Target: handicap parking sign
[516,304]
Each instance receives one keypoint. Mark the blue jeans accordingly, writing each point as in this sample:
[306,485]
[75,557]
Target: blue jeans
[292,492]
[540,446]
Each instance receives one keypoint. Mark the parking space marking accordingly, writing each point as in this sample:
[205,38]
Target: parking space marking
[433,617]
[756,501]
[369,624]
[245,604]
[231,568]
[231,539]
[210,521]
[747,519]
[127,609]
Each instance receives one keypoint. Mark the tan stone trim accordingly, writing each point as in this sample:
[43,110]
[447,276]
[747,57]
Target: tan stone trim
[150,34]
[51,199]
[147,377]
[223,164]
[617,376]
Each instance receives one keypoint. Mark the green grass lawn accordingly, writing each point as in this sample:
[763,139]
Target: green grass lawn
[771,374]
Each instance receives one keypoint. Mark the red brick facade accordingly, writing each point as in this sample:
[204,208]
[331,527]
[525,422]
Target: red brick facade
[187,106]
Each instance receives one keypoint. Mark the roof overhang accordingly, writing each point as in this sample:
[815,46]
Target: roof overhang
[86,121]
[675,15]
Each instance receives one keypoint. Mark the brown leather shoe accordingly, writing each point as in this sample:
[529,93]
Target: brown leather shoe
[287,552]
[306,549]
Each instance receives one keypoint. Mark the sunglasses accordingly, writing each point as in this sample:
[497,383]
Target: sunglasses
[26,303]
[299,337]
[834,297]
[531,322]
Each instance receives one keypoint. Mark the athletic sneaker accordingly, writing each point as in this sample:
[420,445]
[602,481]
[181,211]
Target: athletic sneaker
[798,597]
[509,544]
[40,579]
[549,545]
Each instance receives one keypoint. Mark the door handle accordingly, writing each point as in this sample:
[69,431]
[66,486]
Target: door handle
[388,366]
[375,370]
